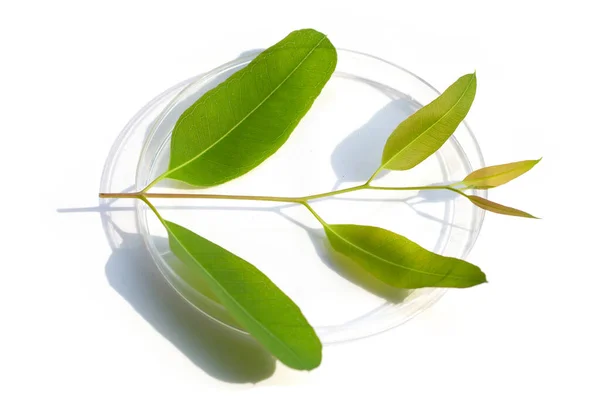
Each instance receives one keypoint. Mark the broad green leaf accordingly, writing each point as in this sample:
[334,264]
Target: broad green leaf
[497,208]
[399,262]
[253,300]
[424,132]
[494,176]
[237,125]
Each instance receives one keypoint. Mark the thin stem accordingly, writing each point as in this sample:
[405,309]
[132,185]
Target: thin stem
[154,210]
[314,213]
[457,191]
[327,194]
[155,181]
[409,188]
[373,176]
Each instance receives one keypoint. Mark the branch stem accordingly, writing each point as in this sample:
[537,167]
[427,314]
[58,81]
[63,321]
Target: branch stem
[300,200]
[198,196]
[374,175]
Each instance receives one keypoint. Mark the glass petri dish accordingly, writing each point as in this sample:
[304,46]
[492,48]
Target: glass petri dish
[337,144]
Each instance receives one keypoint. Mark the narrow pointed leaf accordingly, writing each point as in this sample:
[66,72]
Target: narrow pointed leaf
[237,125]
[494,176]
[424,132]
[399,262]
[498,208]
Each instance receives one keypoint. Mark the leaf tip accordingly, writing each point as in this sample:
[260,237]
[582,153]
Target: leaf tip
[484,276]
[314,365]
[309,363]
[472,80]
[480,279]
[527,215]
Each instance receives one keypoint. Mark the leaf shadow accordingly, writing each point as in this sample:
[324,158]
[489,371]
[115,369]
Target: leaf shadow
[221,352]
[358,155]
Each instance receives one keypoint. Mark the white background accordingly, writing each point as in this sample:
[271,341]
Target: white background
[73,73]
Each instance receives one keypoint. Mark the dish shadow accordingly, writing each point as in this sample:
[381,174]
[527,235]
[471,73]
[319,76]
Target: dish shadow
[219,351]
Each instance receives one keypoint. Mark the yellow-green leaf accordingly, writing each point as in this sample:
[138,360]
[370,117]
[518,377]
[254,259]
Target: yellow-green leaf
[399,262]
[424,132]
[496,175]
[497,208]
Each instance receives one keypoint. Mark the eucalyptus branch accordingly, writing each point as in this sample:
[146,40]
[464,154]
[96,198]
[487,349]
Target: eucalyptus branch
[245,120]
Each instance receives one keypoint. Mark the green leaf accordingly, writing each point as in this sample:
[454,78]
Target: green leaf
[494,176]
[237,125]
[497,208]
[399,262]
[253,300]
[424,132]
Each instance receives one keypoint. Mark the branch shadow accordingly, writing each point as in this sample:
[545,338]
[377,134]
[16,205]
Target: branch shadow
[104,208]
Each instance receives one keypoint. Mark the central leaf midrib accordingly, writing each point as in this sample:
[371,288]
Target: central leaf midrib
[391,262]
[251,111]
[432,125]
[240,307]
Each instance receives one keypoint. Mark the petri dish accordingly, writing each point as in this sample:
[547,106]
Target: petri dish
[337,144]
